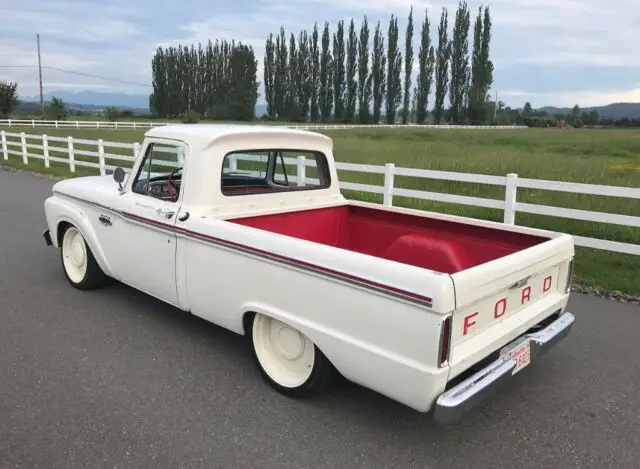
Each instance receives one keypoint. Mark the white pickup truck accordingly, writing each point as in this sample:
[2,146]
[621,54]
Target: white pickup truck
[246,227]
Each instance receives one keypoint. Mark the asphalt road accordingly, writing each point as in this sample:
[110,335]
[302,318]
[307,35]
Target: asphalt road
[116,379]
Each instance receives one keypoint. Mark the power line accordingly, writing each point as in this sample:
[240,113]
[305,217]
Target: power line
[71,72]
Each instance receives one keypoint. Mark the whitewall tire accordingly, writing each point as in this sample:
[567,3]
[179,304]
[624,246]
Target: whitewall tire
[79,264]
[287,359]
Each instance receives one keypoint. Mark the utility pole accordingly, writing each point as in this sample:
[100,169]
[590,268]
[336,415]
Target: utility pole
[40,75]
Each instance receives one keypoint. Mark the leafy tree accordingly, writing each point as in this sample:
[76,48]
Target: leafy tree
[112,113]
[408,67]
[218,80]
[426,62]
[8,97]
[56,109]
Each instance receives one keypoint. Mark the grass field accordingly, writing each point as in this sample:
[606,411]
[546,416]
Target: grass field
[610,157]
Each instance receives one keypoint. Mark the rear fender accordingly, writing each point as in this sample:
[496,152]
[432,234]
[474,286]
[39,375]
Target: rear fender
[59,211]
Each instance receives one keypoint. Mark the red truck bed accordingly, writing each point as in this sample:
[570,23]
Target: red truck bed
[438,245]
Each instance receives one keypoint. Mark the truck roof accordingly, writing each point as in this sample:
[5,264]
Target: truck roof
[207,134]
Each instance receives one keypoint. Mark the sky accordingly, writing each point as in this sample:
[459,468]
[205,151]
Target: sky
[547,52]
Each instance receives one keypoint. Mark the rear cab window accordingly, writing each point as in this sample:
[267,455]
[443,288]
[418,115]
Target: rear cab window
[273,170]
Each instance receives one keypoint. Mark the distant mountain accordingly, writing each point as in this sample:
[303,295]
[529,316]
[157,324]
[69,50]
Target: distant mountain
[613,111]
[95,100]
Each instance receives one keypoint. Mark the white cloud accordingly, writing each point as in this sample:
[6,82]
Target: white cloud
[565,39]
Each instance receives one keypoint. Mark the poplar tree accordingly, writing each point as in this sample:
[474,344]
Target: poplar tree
[394,65]
[364,78]
[352,66]
[292,105]
[408,67]
[304,75]
[481,69]
[326,76]
[459,64]
[441,67]
[280,80]
[426,63]
[315,75]
[378,63]
[339,72]
[269,75]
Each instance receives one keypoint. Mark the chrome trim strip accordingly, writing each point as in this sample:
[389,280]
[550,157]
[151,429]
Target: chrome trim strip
[452,404]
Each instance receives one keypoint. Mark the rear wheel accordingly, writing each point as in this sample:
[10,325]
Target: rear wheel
[287,359]
[79,264]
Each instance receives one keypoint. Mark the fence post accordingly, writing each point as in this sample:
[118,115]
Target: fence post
[510,199]
[302,170]
[72,164]
[5,153]
[77,125]
[23,141]
[101,157]
[9,122]
[389,173]
[33,123]
[57,124]
[233,163]
[45,150]
[97,124]
[134,125]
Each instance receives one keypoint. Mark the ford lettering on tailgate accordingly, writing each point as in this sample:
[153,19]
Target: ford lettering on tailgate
[499,307]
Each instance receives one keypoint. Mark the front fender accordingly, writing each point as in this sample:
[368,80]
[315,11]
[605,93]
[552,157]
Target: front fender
[58,211]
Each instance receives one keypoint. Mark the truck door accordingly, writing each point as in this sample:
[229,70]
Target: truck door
[141,243]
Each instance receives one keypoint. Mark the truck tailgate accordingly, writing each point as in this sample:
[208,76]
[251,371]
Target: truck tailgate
[500,300]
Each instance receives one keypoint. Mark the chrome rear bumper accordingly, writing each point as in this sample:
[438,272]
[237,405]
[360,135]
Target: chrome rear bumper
[452,404]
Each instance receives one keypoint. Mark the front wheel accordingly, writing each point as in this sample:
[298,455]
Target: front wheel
[288,360]
[79,264]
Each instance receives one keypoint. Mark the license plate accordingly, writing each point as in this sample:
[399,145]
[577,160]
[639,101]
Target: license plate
[521,355]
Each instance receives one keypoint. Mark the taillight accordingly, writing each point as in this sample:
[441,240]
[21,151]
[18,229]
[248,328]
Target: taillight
[445,342]
[567,287]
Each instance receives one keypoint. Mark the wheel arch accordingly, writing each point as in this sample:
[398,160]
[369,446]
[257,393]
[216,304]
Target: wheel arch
[65,219]
[326,343]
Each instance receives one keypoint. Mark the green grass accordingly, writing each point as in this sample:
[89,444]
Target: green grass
[610,157]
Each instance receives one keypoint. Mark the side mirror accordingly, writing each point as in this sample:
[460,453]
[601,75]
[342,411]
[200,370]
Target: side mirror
[119,176]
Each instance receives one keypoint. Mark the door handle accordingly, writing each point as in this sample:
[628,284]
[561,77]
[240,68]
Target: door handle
[165,212]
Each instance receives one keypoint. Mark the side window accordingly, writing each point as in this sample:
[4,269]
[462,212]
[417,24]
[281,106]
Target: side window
[263,171]
[160,173]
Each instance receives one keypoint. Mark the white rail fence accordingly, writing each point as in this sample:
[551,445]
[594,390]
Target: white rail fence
[510,205]
[134,125]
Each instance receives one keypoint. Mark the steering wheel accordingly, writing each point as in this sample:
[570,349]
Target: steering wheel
[173,192]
